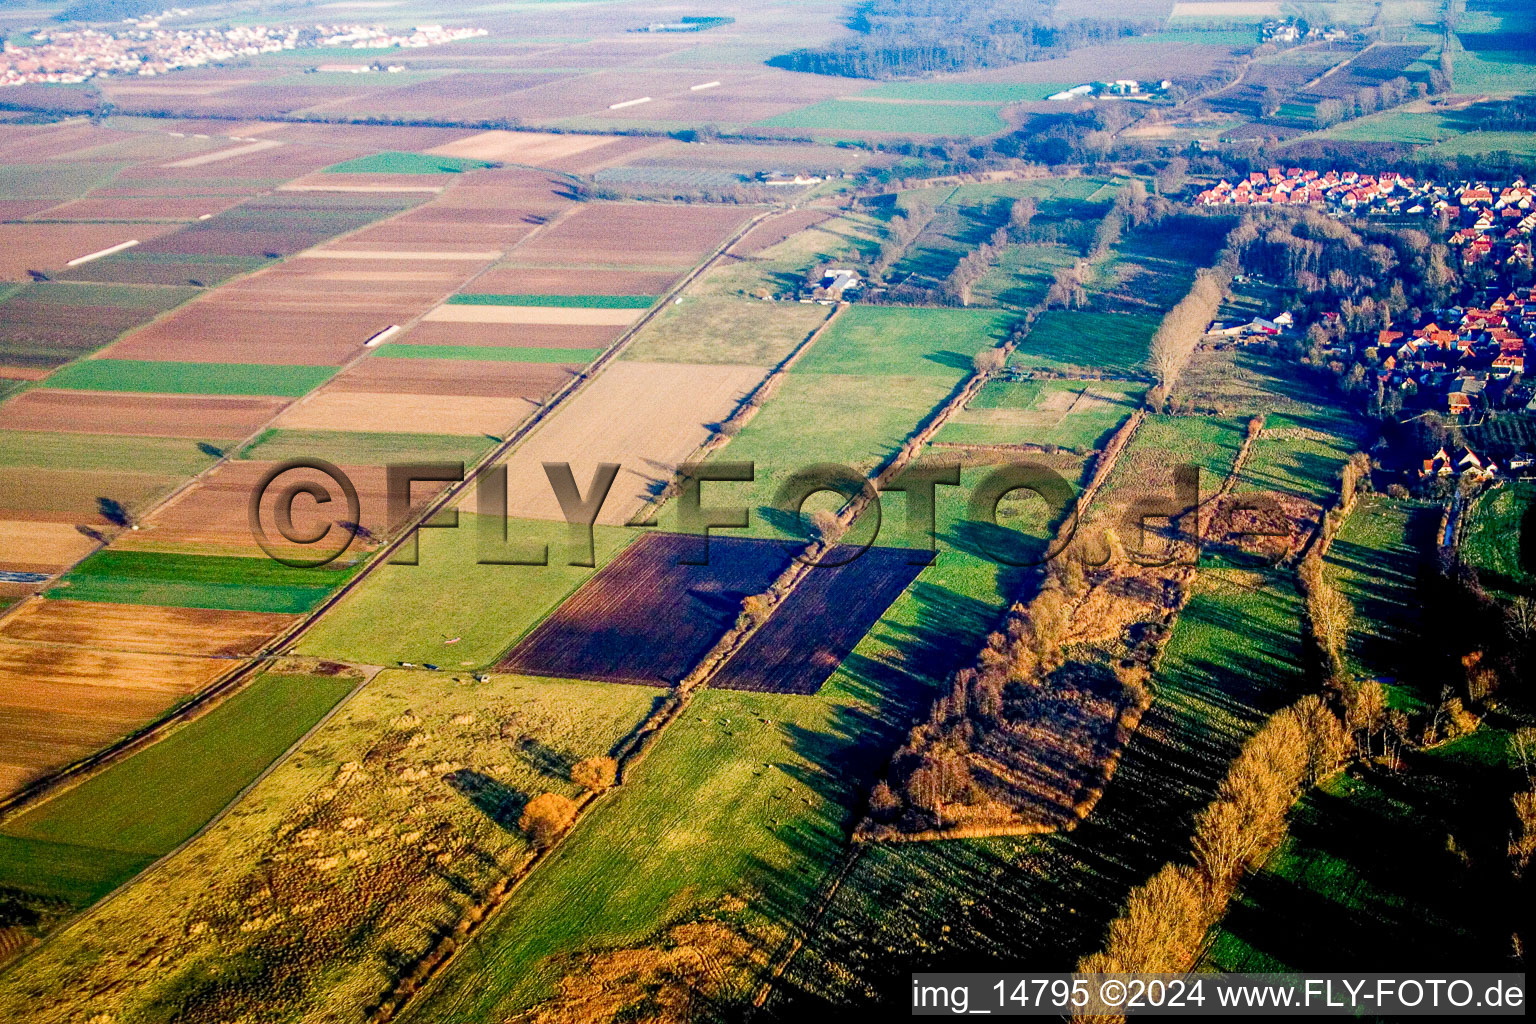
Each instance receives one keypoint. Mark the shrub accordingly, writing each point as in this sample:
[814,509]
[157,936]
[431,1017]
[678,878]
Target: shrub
[595,774]
[546,816]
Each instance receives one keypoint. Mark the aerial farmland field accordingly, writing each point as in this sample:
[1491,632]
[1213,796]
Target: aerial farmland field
[603,514]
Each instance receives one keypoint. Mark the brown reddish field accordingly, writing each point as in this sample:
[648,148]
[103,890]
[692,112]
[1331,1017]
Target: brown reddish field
[58,704]
[29,545]
[486,379]
[15,209]
[213,516]
[776,229]
[48,247]
[25,143]
[391,412]
[514,280]
[72,495]
[648,417]
[149,629]
[96,207]
[213,331]
[585,94]
[435,232]
[509,335]
[644,233]
[647,618]
[363,138]
[102,412]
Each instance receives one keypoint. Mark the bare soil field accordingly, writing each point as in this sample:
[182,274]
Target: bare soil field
[645,618]
[405,413]
[434,232]
[40,332]
[1226,9]
[98,412]
[776,229]
[48,247]
[503,336]
[533,148]
[551,315]
[647,417]
[820,622]
[58,704]
[516,280]
[218,332]
[580,94]
[37,546]
[642,233]
[363,138]
[26,143]
[214,514]
[531,382]
[74,495]
[182,208]
[147,629]
[16,209]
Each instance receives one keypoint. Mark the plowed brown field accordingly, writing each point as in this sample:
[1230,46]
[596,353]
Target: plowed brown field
[144,628]
[100,412]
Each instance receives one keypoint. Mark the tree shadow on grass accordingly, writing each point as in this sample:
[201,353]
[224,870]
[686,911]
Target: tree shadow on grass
[496,800]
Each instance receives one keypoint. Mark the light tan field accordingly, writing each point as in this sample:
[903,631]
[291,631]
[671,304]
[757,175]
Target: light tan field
[225,154]
[535,148]
[147,629]
[455,314]
[441,414]
[34,546]
[73,495]
[58,704]
[647,417]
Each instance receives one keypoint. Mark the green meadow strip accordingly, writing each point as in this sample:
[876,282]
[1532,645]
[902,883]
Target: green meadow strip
[84,842]
[491,353]
[563,301]
[230,583]
[406,163]
[175,378]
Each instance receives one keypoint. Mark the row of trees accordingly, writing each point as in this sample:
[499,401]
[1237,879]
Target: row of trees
[1369,99]
[899,38]
[1164,920]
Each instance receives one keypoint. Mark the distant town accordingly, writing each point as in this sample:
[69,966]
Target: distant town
[68,56]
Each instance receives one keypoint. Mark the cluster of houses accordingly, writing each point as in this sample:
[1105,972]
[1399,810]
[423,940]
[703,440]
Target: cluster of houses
[64,56]
[1475,358]
[1464,462]
[1492,222]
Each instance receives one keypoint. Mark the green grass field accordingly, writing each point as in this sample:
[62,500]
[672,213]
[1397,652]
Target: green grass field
[1377,561]
[406,163]
[491,353]
[562,301]
[59,180]
[166,456]
[894,339]
[1110,342]
[405,612]
[1500,540]
[965,92]
[255,584]
[713,329]
[856,396]
[780,269]
[1301,453]
[189,378]
[1022,276]
[1327,897]
[1069,414]
[86,841]
[852,115]
[364,448]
